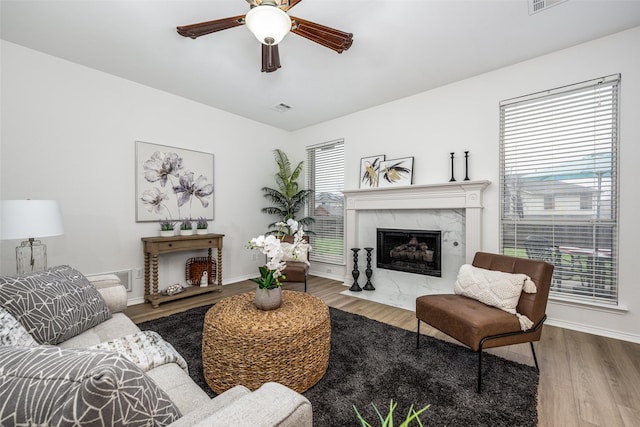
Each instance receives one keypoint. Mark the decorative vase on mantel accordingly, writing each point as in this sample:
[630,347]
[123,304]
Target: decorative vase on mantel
[268,299]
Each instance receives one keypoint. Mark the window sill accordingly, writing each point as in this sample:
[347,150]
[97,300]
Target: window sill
[595,306]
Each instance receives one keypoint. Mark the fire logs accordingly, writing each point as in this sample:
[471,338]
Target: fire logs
[412,251]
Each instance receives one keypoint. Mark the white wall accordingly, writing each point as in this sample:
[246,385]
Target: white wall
[464,116]
[69,132]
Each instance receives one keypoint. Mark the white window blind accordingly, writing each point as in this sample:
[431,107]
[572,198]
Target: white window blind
[325,176]
[559,186]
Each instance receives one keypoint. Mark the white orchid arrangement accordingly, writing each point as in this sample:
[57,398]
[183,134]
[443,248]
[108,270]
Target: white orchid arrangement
[271,246]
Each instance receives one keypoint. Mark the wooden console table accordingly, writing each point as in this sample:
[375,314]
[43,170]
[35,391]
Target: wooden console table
[154,246]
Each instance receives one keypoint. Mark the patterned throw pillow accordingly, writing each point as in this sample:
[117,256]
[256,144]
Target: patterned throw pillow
[12,332]
[53,305]
[51,386]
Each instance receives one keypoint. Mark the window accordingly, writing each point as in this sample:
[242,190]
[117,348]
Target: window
[325,176]
[559,187]
[586,201]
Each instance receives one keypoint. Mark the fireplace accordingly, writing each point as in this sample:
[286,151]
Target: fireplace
[411,251]
[453,207]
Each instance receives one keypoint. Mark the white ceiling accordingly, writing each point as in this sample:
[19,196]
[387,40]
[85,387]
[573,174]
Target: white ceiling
[400,47]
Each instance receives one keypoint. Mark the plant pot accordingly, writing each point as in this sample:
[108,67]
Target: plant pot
[268,299]
[167,233]
[186,232]
[202,231]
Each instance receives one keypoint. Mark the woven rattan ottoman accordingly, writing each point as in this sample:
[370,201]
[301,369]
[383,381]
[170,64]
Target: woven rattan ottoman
[244,345]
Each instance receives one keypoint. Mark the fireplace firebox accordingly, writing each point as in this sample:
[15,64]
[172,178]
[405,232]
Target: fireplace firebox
[412,251]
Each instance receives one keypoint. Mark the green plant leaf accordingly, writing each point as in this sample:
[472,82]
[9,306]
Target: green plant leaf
[362,420]
[287,200]
[387,421]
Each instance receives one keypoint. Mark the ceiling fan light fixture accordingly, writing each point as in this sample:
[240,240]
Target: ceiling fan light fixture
[268,23]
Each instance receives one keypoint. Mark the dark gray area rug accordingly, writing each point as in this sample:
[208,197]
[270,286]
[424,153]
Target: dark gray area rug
[372,362]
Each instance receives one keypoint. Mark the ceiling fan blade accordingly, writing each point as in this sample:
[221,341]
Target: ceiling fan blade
[204,28]
[329,37]
[270,58]
[288,4]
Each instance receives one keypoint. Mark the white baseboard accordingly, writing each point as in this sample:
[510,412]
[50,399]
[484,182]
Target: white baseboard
[594,330]
[134,301]
[325,275]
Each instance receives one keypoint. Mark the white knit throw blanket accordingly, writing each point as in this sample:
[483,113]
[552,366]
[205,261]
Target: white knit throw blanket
[495,288]
[146,349]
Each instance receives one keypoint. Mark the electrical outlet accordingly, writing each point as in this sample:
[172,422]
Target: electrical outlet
[329,270]
[139,273]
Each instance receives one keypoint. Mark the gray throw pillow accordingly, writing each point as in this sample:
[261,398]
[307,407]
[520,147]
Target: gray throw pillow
[47,385]
[12,332]
[53,305]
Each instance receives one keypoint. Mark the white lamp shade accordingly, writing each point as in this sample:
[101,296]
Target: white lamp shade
[23,219]
[268,23]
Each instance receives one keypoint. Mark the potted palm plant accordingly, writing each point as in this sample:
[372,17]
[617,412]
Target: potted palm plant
[287,198]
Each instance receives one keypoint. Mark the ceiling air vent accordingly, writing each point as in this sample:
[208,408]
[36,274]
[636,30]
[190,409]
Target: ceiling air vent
[536,6]
[282,107]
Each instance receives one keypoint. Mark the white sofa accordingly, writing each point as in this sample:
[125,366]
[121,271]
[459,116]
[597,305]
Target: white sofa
[271,405]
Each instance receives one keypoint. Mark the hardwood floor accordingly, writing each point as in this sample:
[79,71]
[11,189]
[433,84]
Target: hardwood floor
[585,380]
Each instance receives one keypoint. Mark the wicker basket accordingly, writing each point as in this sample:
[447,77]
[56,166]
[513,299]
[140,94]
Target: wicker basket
[195,267]
[244,345]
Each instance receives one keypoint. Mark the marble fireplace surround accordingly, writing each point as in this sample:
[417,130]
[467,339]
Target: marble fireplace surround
[464,196]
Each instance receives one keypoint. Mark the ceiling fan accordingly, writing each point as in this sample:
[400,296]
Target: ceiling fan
[269,22]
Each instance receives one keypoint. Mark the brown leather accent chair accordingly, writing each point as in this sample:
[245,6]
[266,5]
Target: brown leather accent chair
[296,271]
[480,326]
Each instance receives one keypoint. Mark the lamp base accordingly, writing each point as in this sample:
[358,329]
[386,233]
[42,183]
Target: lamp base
[31,256]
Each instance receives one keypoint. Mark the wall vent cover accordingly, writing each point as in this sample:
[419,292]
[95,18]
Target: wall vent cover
[124,276]
[536,6]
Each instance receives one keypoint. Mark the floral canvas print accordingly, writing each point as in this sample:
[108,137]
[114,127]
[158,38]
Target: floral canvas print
[173,183]
[394,173]
[369,168]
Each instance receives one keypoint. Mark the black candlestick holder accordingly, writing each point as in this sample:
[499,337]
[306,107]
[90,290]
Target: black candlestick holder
[466,166]
[355,273]
[368,272]
[452,177]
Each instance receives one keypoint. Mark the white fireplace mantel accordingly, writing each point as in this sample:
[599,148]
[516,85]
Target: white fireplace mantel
[451,195]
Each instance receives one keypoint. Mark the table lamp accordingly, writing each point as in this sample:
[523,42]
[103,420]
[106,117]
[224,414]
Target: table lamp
[30,219]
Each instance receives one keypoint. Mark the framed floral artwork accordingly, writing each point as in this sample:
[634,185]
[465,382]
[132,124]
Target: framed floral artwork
[173,183]
[397,172]
[369,168]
